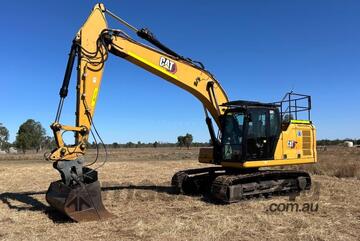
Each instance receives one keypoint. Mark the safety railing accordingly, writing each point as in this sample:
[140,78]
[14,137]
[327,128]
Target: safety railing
[294,107]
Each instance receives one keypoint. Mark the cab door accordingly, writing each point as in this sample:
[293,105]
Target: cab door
[262,131]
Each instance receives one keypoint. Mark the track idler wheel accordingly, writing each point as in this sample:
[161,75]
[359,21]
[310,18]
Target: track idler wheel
[81,201]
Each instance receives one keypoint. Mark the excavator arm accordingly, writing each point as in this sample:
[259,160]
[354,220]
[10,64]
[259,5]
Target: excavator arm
[92,45]
[78,193]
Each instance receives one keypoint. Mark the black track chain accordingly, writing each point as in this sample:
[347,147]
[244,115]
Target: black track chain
[234,188]
[195,181]
[227,186]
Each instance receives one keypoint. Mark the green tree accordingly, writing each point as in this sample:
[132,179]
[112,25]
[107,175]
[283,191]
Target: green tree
[185,140]
[155,144]
[188,139]
[4,137]
[115,145]
[129,144]
[180,141]
[30,135]
[48,143]
[139,144]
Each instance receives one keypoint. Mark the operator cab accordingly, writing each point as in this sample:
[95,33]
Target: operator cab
[250,131]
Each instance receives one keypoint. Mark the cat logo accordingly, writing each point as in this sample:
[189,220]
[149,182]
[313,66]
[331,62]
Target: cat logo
[168,65]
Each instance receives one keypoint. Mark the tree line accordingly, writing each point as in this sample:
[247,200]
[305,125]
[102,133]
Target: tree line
[327,142]
[32,136]
[182,141]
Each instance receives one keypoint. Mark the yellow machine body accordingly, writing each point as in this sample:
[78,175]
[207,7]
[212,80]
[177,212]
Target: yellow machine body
[78,193]
[296,145]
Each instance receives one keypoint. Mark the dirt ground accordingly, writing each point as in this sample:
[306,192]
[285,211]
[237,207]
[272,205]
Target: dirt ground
[136,188]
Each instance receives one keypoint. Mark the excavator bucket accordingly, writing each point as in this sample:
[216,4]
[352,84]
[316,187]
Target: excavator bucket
[81,202]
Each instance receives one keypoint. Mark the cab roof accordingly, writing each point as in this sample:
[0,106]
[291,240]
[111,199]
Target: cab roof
[246,104]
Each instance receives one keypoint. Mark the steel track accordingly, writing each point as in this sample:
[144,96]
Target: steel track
[229,185]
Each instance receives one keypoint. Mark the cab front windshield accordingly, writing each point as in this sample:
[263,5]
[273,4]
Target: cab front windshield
[232,136]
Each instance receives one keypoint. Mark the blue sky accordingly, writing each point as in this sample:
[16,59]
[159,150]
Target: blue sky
[257,49]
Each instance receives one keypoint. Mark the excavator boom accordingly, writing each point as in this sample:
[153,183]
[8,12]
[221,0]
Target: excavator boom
[92,45]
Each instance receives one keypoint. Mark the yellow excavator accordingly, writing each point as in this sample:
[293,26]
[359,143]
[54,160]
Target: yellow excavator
[251,136]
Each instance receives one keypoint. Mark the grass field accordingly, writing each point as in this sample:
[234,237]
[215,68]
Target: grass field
[136,188]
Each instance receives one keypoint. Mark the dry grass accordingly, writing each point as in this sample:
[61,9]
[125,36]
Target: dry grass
[147,210]
[120,154]
[336,161]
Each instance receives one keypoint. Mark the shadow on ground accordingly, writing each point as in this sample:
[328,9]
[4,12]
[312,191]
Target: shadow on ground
[32,204]
[29,203]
